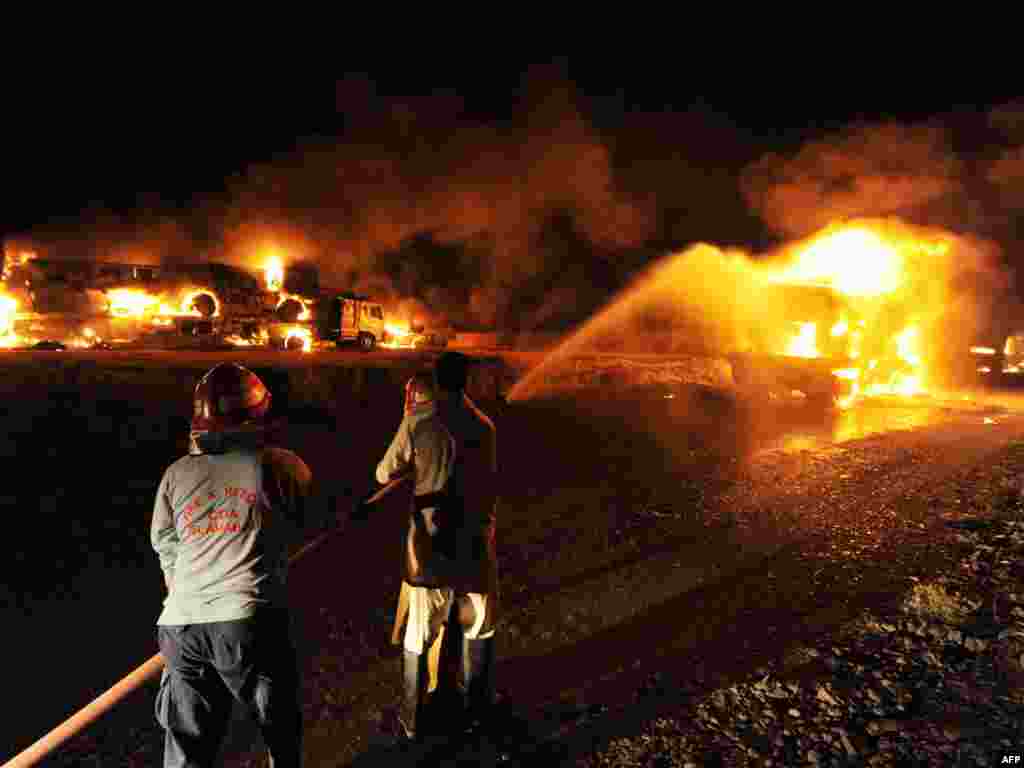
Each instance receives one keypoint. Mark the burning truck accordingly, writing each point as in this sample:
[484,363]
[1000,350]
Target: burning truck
[865,308]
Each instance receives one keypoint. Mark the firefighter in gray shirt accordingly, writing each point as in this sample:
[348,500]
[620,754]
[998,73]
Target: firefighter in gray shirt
[222,521]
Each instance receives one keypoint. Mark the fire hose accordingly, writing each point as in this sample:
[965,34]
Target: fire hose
[145,672]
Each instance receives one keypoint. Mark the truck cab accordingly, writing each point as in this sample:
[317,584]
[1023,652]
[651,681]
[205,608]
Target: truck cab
[353,318]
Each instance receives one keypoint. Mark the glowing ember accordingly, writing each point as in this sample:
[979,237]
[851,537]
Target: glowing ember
[296,335]
[273,274]
[982,351]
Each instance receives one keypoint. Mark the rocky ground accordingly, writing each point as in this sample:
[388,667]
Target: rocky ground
[931,675]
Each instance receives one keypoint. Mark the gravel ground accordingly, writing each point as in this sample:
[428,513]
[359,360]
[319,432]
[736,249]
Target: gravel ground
[934,676]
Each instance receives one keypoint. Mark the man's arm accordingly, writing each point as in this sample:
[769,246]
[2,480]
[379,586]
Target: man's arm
[398,459]
[288,483]
[163,534]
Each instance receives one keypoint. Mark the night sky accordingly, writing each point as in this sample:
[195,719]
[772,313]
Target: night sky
[117,141]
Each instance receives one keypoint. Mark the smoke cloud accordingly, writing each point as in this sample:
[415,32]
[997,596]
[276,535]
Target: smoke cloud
[872,171]
[960,172]
[419,201]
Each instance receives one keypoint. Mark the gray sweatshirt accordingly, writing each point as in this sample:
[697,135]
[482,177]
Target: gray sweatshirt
[221,527]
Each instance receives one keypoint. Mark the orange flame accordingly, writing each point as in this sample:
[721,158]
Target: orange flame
[300,333]
[399,336]
[305,314]
[8,310]
[137,303]
[855,262]
[130,302]
[273,273]
[805,342]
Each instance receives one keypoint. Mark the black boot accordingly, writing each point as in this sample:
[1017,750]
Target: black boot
[415,681]
[476,683]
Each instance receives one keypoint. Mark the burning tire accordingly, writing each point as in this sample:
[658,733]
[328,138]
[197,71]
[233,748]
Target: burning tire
[367,342]
[293,344]
[204,304]
[289,311]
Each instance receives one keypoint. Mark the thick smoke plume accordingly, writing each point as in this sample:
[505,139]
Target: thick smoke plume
[419,201]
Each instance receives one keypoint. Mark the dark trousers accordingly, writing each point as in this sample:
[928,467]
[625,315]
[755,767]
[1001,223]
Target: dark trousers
[208,665]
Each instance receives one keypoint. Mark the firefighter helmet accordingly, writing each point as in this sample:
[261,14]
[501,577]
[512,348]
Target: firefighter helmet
[419,390]
[229,397]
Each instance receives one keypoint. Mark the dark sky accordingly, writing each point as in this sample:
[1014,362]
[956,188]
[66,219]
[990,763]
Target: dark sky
[124,140]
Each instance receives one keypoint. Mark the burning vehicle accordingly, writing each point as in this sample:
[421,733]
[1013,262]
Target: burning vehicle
[416,337]
[861,309]
[350,317]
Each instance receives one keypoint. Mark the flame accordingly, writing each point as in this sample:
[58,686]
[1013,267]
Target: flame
[399,336]
[8,311]
[88,338]
[805,342]
[20,260]
[906,377]
[273,273]
[187,307]
[305,314]
[855,261]
[300,333]
[130,302]
[137,303]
